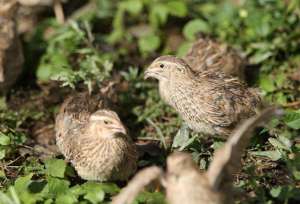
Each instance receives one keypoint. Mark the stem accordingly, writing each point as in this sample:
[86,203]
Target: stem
[59,12]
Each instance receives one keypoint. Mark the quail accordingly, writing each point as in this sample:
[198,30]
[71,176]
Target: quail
[210,102]
[11,55]
[208,54]
[186,184]
[92,137]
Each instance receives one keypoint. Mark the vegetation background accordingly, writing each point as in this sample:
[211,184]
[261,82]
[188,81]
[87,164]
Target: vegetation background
[106,44]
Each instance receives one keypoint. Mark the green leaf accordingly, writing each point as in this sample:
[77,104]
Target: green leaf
[296,174]
[273,155]
[186,144]
[93,192]
[182,137]
[292,119]
[2,153]
[295,124]
[132,6]
[158,15]
[95,197]
[66,199]
[118,30]
[281,98]
[275,191]
[109,188]
[280,79]
[44,72]
[5,199]
[285,141]
[77,190]
[3,104]
[149,43]
[22,186]
[278,144]
[4,140]
[2,173]
[37,186]
[183,49]
[55,167]
[266,83]
[22,183]
[193,27]
[14,195]
[177,8]
[70,171]
[57,186]
[259,57]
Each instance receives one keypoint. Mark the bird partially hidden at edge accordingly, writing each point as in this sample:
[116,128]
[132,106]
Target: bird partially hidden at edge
[183,181]
[206,54]
[93,138]
[210,101]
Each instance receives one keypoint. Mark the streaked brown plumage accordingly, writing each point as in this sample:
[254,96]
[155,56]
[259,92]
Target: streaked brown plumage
[11,55]
[94,140]
[206,54]
[184,182]
[210,101]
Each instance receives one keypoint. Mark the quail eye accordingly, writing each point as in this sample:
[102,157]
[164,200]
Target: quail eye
[106,122]
[161,65]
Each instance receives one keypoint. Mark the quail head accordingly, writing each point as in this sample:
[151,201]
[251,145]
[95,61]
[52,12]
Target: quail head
[186,184]
[93,138]
[210,101]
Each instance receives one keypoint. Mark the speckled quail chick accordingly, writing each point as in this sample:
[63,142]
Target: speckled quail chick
[210,101]
[206,54]
[183,181]
[11,55]
[93,138]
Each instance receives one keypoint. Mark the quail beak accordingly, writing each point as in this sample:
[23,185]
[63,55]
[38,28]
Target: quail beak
[152,73]
[119,129]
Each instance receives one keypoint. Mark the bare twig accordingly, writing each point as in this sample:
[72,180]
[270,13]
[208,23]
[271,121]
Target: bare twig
[292,104]
[59,12]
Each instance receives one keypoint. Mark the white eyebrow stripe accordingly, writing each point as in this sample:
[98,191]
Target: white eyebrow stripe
[97,118]
[179,66]
[169,63]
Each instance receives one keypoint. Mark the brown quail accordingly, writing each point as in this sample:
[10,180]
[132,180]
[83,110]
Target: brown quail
[183,181]
[207,54]
[93,138]
[210,101]
[11,55]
